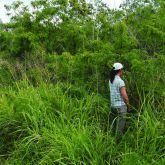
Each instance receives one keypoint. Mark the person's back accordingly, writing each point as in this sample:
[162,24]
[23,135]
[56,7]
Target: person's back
[115,94]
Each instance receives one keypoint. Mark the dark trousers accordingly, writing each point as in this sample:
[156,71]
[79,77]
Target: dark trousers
[118,119]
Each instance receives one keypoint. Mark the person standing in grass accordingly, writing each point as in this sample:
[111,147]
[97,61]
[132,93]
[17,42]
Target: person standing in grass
[119,99]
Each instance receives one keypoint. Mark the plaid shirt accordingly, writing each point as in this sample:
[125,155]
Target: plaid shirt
[116,98]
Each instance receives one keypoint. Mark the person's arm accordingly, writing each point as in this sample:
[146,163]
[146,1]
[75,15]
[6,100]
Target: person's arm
[124,95]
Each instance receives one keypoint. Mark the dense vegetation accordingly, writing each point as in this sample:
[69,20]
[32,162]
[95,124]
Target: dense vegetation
[55,60]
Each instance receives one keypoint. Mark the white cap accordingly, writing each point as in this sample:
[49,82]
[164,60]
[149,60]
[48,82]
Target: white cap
[117,66]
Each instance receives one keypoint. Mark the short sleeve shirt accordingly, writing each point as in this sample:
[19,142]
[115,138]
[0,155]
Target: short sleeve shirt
[115,94]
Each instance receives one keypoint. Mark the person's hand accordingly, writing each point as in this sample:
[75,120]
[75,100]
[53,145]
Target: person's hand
[128,107]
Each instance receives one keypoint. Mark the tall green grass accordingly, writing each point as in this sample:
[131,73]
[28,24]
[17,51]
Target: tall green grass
[64,124]
[50,114]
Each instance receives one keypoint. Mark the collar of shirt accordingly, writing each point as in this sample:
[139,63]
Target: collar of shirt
[117,76]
